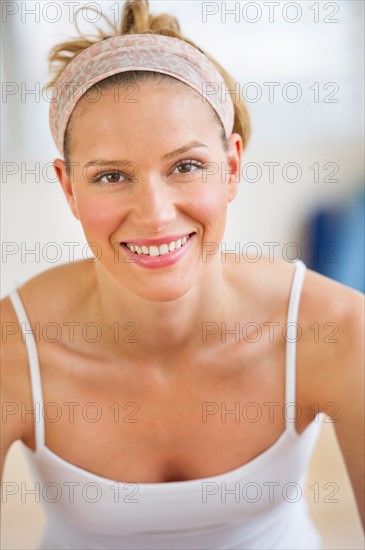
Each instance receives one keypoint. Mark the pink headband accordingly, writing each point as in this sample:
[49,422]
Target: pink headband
[150,52]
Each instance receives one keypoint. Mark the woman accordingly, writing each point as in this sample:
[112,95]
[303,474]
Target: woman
[181,405]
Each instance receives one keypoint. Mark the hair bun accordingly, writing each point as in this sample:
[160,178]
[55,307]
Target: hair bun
[137,20]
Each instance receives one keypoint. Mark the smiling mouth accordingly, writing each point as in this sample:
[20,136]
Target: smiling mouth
[161,250]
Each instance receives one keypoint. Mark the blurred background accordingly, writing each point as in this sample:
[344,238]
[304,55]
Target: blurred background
[300,67]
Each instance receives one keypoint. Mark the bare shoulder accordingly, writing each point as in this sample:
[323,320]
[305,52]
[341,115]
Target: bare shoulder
[331,346]
[323,294]
[14,374]
[330,325]
[337,367]
[56,289]
[15,379]
[329,311]
[46,296]
[334,313]
[330,359]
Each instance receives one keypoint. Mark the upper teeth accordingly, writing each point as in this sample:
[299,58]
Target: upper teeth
[158,250]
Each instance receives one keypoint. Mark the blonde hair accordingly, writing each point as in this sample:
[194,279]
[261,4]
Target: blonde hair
[136,19]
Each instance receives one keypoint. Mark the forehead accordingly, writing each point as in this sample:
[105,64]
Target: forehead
[137,110]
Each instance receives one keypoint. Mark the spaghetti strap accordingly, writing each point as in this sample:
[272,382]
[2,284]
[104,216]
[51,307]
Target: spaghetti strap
[293,332]
[28,337]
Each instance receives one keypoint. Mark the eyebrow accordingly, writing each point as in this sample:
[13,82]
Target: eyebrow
[168,156]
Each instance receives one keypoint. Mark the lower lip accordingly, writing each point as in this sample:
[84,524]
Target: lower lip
[154,262]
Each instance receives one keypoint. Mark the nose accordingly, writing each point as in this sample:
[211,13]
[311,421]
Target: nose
[154,206]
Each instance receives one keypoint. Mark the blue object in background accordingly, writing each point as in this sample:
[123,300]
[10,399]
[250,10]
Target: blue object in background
[336,243]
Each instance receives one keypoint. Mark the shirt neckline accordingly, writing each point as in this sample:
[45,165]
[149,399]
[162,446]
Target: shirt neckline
[185,484]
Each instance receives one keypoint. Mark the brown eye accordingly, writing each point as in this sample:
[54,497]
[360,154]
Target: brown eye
[113,177]
[184,166]
[187,168]
[109,178]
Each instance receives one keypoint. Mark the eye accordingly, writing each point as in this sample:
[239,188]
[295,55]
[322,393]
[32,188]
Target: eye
[188,163]
[112,178]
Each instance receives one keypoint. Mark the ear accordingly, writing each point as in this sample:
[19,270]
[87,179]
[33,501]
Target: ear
[60,168]
[234,159]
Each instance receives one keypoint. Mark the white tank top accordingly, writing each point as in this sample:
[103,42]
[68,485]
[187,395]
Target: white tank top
[260,505]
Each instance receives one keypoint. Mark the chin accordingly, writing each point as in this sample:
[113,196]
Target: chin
[157,292]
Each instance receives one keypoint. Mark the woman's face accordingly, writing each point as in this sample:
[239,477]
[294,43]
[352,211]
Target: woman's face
[130,184]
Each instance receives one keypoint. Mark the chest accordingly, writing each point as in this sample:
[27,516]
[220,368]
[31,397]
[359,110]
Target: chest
[137,424]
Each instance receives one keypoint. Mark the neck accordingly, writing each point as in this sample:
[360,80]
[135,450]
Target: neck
[158,331]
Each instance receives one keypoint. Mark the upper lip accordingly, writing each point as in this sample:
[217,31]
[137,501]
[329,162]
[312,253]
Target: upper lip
[157,242]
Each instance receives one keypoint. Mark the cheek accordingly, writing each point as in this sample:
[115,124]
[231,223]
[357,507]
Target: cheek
[99,214]
[208,203]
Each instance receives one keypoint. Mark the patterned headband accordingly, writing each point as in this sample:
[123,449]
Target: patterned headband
[151,52]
